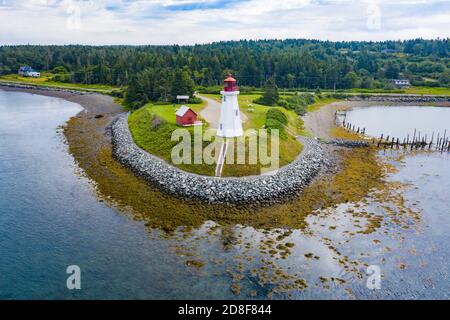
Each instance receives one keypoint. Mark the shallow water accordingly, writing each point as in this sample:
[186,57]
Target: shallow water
[401,121]
[50,218]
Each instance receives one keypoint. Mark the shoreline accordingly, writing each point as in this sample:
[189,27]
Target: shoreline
[92,103]
[262,189]
[90,144]
[100,114]
[321,122]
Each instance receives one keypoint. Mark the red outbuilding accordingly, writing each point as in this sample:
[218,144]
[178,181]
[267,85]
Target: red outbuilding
[186,116]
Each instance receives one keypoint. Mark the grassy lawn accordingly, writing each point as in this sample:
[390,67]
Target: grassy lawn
[46,81]
[155,137]
[412,90]
[256,113]
[167,111]
[428,90]
[319,104]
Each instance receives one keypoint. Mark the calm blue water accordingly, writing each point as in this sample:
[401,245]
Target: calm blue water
[50,219]
[399,122]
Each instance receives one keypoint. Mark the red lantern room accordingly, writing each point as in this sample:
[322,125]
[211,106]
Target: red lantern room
[230,84]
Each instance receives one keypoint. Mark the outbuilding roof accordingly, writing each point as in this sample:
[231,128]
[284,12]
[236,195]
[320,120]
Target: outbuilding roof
[182,111]
[26,69]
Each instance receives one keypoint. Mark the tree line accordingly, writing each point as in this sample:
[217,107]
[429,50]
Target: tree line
[159,73]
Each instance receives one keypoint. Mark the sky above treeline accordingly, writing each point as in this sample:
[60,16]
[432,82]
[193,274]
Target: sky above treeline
[99,22]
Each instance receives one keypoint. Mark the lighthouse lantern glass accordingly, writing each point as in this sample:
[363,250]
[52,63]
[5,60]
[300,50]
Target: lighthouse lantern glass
[230,85]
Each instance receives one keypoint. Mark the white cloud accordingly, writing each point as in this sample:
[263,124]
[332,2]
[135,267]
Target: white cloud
[171,21]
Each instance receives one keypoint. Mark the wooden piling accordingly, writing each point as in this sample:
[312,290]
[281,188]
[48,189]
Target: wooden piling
[379,142]
[431,141]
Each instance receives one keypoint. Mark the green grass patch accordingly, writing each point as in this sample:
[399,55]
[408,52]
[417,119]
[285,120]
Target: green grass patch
[153,134]
[320,103]
[428,90]
[152,127]
[256,113]
[167,111]
[46,81]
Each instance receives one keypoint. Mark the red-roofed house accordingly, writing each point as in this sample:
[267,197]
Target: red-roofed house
[186,116]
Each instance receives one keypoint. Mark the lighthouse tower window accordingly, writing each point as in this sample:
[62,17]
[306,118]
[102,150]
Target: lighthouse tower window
[236,113]
[224,98]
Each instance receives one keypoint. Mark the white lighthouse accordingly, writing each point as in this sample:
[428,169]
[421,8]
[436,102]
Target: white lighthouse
[230,124]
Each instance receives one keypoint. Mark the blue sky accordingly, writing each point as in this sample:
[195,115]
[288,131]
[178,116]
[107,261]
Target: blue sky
[202,21]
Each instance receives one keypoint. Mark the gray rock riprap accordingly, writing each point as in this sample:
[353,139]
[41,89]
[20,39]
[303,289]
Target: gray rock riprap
[42,88]
[349,143]
[262,189]
[401,98]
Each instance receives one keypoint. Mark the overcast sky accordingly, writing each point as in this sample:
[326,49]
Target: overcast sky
[202,21]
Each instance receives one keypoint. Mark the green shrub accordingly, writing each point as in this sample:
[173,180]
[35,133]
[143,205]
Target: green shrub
[339,95]
[162,103]
[210,90]
[117,93]
[299,102]
[195,100]
[65,77]
[276,120]
[277,115]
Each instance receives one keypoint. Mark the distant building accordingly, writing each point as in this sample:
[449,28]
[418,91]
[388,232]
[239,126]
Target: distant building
[186,116]
[183,99]
[28,71]
[400,83]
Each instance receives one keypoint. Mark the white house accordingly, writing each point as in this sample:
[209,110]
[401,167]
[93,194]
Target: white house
[400,83]
[28,71]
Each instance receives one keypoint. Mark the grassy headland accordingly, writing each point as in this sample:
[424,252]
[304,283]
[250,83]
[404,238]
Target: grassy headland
[152,127]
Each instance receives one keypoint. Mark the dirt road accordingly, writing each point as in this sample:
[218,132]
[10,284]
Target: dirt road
[320,122]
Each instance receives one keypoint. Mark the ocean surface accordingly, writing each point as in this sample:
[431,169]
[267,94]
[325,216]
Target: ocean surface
[50,219]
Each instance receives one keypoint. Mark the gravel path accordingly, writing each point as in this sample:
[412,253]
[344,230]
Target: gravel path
[320,122]
[211,113]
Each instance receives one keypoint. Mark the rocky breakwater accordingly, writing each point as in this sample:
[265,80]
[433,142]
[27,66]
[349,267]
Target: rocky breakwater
[264,189]
[41,88]
[349,143]
[402,98]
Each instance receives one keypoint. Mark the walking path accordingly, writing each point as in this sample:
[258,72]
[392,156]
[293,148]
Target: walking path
[211,113]
[320,122]
[221,159]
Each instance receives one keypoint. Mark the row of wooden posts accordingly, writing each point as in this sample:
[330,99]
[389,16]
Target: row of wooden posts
[436,142]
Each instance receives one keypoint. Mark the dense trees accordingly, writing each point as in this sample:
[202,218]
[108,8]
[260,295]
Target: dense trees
[270,96]
[160,72]
[158,85]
